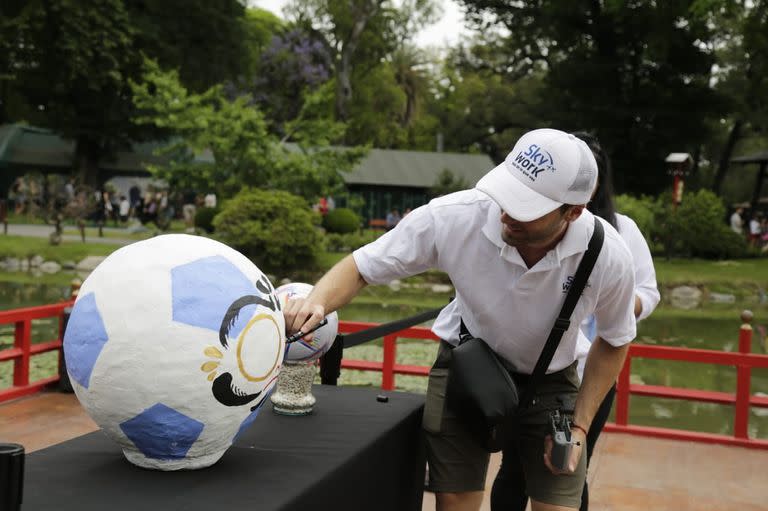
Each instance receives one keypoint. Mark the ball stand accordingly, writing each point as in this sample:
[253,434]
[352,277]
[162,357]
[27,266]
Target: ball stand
[294,389]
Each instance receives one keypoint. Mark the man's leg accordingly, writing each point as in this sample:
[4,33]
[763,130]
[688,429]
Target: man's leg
[601,417]
[508,493]
[464,501]
[457,462]
[547,491]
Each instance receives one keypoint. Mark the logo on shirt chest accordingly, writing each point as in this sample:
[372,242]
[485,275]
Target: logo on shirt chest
[568,281]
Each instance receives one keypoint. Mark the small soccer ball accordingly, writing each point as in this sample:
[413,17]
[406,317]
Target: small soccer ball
[173,345]
[301,350]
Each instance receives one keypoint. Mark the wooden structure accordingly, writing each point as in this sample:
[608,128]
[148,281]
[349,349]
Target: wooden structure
[761,159]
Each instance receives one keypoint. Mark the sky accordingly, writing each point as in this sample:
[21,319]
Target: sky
[447,31]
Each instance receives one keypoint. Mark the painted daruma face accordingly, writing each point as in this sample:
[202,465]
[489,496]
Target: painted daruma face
[305,351]
[173,346]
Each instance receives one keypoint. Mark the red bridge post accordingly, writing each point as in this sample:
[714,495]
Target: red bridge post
[743,379]
[388,363]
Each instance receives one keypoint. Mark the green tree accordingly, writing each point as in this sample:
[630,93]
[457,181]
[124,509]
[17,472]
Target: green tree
[204,40]
[74,59]
[342,24]
[79,56]
[375,111]
[742,75]
[359,35]
[236,134]
[479,108]
[14,20]
[260,27]
[447,182]
[634,72]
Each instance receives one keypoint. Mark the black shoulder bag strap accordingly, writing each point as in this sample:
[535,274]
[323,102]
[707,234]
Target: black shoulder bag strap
[563,320]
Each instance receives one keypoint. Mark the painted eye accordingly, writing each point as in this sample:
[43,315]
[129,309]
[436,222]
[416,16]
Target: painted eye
[259,346]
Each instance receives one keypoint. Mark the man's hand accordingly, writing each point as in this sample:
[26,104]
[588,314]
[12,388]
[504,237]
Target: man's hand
[579,443]
[334,290]
[302,315]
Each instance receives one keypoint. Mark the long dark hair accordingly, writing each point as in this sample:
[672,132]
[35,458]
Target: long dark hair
[602,203]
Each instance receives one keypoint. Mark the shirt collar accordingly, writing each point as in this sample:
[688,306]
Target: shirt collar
[574,242]
[576,239]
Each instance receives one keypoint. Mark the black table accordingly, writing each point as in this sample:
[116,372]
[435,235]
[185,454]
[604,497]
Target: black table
[353,452]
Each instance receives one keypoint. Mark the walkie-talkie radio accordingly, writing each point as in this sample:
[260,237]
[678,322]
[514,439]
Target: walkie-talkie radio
[561,440]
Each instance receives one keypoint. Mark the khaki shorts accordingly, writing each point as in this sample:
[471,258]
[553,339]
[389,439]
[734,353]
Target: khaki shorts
[458,463]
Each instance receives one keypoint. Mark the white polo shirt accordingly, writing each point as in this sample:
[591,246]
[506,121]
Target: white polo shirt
[501,300]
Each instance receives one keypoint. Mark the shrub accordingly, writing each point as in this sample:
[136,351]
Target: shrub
[348,242]
[697,228]
[275,229]
[640,209]
[341,221]
[204,218]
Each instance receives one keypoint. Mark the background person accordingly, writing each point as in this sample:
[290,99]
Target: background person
[508,246]
[755,230]
[188,210]
[124,209]
[737,223]
[393,218]
[508,492]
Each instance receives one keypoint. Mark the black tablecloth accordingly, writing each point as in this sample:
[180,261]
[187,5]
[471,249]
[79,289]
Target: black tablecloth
[353,452]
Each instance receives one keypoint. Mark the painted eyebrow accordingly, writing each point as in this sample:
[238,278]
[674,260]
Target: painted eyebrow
[234,310]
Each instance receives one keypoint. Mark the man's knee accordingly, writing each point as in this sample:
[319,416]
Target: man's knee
[463,501]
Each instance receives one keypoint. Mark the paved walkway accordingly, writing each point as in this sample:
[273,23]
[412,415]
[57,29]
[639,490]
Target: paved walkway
[628,473]
[633,473]
[44,231]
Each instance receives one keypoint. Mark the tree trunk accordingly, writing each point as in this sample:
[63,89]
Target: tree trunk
[343,86]
[725,157]
[344,61]
[87,156]
[696,161]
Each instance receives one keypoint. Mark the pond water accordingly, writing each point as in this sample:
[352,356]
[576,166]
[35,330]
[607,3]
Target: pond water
[717,332]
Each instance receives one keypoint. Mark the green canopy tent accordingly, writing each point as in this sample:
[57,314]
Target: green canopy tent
[25,149]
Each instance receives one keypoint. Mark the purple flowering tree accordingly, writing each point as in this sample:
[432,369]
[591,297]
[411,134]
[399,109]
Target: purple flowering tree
[292,64]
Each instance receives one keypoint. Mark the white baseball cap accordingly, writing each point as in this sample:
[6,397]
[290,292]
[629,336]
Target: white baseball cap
[546,169]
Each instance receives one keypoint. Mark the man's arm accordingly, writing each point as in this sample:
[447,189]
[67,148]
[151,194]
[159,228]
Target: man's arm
[602,368]
[334,290]
[604,363]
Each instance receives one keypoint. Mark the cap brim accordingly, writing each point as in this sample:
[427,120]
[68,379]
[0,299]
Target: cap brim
[514,198]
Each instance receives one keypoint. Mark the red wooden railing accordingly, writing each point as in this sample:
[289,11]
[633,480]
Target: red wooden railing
[23,349]
[742,399]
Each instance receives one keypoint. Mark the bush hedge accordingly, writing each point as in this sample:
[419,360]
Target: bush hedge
[696,228]
[275,229]
[341,221]
[204,218]
[348,242]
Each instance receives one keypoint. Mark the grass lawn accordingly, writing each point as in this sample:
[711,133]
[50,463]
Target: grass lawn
[62,278]
[22,247]
[699,271]
[93,232]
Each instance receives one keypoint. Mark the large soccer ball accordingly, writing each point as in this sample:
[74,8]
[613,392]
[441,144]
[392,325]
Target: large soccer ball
[305,351]
[173,345]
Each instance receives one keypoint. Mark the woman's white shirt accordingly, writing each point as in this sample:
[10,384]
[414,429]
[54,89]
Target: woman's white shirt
[646,288]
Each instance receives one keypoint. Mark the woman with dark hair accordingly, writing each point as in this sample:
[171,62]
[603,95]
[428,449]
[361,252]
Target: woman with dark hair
[509,492]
